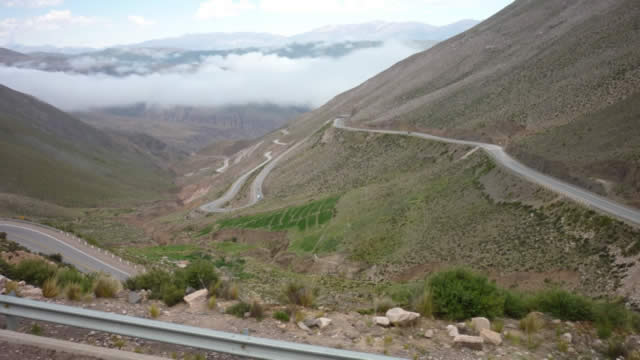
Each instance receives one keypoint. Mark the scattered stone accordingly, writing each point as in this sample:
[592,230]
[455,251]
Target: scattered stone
[134,297]
[556,321]
[471,342]
[3,280]
[304,327]
[195,297]
[452,330]
[22,283]
[322,322]
[399,317]
[351,334]
[491,336]
[480,323]
[428,334]
[31,292]
[382,321]
[567,337]
[309,323]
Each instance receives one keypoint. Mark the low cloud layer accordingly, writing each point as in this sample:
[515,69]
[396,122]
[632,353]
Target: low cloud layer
[235,79]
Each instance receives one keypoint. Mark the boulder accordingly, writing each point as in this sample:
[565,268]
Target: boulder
[322,322]
[567,337]
[382,321]
[196,297]
[428,334]
[491,336]
[304,327]
[452,330]
[480,323]
[471,342]
[399,317]
[32,292]
[134,297]
[309,323]
[3,281]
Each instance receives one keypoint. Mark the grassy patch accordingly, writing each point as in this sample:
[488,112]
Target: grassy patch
[302,217]
[171,252]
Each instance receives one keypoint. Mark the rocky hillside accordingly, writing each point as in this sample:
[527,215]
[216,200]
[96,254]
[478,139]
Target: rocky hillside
[546,78]
[51,156]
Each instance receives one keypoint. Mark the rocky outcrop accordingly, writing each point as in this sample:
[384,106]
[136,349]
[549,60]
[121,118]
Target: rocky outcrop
[196,297]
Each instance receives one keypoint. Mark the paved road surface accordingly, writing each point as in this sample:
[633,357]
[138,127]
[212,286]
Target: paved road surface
[43,240]
[216,205]
[496,152]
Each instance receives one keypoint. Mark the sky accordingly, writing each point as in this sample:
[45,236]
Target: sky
[93,23]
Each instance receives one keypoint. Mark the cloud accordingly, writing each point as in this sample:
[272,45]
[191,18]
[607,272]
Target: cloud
[140,21]
[31,3]
[222,8]
[235,79]
[56,19]
[326,6]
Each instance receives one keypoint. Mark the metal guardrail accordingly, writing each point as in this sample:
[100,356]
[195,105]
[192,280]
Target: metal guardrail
[236,344]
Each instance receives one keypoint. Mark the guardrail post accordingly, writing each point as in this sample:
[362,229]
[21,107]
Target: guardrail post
[12,322]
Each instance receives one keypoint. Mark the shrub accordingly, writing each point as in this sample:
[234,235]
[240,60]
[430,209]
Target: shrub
[616,349]
[73,292]
[67,276]
[612,315]
[152,280]
[34,271]
[564,305]
[211,304]
[36,329]
[423,304]
[200,274]
[50,288]
[281,316]
[106,287]
[516,305]
[381,305]
[3,236]
[497,325]
[299,294]
[172,295]
[460,294]
[154,312]
[6,269]
[257,311]
[239,309]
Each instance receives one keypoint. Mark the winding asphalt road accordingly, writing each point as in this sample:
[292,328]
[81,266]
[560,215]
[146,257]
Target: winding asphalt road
[44,240]
[496,152]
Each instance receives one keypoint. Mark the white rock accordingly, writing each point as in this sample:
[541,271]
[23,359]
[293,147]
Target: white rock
[304,327]
[400,317]
[322,322]
[567,337]
[491,336]
[471,342]
[195,297]
[452,330]
[382,321]
[31,293]
[428,334]
[480,323]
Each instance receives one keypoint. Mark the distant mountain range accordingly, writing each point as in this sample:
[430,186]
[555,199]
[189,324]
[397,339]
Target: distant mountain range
[372,31]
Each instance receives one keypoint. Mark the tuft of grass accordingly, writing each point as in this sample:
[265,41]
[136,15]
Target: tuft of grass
[50,288]
[563,346]
[12,286]
[239,309]
[297,293]
[154,312]
[257,310]
[212,302]
[224,290]
[35,330]
[73,292]
[106,287]
[281,316]
[423,304]
[381,305]
[497,325]
[531,323]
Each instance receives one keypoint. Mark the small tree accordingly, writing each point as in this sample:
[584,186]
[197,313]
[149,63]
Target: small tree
[3,236]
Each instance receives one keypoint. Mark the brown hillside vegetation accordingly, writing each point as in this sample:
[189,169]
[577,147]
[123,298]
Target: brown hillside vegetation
[535,73]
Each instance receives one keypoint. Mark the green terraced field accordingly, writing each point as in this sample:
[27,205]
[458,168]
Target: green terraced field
[303,217]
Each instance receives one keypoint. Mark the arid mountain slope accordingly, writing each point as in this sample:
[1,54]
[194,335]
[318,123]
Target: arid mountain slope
[49,155]
[533,69]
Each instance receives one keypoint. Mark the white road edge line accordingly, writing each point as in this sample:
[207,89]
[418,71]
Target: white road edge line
[69,246]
